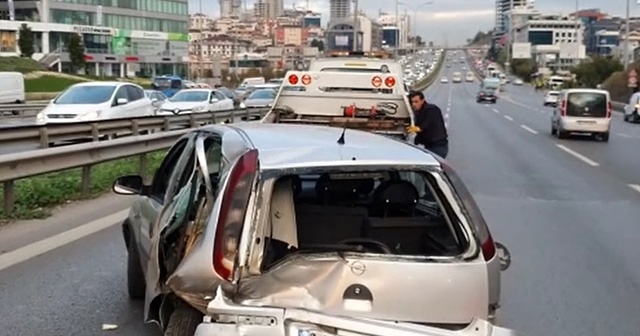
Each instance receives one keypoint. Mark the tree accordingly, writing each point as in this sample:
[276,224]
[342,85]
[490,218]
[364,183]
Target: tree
[76,52]
[596,70]
[25,41]
[524,68]
[318,44]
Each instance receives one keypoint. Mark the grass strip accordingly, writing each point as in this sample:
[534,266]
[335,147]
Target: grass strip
[37,196]
[48,84]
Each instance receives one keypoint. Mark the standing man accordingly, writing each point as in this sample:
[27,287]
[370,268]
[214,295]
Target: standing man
[429,125]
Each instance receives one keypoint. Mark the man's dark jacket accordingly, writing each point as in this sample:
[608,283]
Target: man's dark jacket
[433,131]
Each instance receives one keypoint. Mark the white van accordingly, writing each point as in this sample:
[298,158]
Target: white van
[252,81]
[582,111]
[11,88]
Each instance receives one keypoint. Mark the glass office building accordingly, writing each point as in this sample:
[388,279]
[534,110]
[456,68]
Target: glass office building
[121,37]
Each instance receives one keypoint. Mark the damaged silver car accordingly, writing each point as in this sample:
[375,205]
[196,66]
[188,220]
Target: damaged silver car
[249,220]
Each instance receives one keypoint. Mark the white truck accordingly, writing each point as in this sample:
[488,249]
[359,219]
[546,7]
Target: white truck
[375,102]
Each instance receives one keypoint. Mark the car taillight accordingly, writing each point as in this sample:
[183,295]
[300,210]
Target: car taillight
[609,109]
[232,214]
[488,248]
[563,108]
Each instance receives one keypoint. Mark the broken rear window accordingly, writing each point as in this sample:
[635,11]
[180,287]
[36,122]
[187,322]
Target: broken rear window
[381,212]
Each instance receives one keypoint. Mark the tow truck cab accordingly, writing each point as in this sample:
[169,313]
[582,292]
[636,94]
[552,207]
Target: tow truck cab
[375,102]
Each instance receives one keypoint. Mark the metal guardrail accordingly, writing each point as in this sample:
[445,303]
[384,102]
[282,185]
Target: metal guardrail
[47,134]
[431,77]
[22,110]
[617,106]
[36,162]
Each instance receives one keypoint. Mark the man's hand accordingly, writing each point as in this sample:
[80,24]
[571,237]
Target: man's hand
[413,129]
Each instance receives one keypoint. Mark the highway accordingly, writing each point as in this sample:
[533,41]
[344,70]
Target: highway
[567,209]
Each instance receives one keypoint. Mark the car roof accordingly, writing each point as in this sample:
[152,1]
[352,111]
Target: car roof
[105,83]
[290,146]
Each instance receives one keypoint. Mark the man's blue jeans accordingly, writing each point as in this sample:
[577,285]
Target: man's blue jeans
[440,150]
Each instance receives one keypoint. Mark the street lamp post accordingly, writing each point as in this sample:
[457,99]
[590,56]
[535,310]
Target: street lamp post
[397,30]
[355,26]
[626,37]
[414,23]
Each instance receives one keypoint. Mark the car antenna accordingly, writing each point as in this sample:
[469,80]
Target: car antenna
[341,139]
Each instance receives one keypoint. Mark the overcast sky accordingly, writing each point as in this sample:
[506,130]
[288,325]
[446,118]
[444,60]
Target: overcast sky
[444,20]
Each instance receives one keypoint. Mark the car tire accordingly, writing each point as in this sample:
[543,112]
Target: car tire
[626,118]
[183,321]
[136,285]
[604,137]
[554,131]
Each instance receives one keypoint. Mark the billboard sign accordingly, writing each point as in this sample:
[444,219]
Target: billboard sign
[521,50]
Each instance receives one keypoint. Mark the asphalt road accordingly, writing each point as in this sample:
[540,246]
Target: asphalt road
[568,215]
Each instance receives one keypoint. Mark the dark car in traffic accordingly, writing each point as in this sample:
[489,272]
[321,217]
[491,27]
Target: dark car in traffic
[487,95]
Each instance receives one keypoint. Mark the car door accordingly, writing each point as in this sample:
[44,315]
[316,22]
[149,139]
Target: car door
[118,111]
[223,103]
[152,205]
[139,105]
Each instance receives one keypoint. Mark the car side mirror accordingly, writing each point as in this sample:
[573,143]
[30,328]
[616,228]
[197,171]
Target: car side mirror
[122,101]
[504,255]
[129,185]
[214,100]
[153,100]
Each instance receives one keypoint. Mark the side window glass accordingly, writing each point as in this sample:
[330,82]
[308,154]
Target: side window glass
[220,96]
[215,164]
[176,84]
[163,175]
[121,94]
[131,91]
[420,182]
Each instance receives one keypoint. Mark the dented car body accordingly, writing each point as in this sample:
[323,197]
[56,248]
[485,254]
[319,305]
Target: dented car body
[339,223]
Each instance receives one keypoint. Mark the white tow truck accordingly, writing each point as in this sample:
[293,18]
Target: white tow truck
[375,102]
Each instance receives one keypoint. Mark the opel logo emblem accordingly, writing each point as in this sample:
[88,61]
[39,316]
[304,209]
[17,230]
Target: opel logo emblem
[358,268]
[176,111]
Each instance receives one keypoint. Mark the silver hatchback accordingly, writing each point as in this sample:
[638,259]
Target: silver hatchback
[243,220]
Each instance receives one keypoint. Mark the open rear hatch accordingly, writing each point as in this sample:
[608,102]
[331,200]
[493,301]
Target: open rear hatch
[386,245]
[373,102]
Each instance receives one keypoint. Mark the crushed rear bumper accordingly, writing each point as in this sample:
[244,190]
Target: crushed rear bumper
[237,320]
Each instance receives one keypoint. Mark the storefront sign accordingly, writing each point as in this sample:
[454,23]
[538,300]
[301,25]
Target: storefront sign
[92,30]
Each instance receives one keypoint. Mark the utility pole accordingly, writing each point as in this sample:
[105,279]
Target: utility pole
[577,33]
[626,38]
[355,26]
[509,43]
[200,58]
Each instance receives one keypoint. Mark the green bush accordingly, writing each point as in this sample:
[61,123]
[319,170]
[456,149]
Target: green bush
[20,64]
[36,196]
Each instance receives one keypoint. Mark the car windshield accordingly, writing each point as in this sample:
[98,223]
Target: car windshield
[190,96]
[86,94]
[163,83]
[263,94]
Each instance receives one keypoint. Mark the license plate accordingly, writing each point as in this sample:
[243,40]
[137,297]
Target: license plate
[583,122]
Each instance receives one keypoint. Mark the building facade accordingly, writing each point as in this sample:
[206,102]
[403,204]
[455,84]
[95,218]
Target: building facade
[339,9]
[501,16]
[121,37]
[269,9]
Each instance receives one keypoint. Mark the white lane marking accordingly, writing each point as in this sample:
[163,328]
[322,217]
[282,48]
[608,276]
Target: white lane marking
[448,109]
[496,110]
[508,118]
[624,135]
[578,155]
[528,129]
[635,187]
[446,116]
[48,244]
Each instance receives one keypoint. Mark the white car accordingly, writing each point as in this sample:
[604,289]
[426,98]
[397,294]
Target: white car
[97,101]
[196,101]
[444,80]
[582,111]
[551,98]
[518,82]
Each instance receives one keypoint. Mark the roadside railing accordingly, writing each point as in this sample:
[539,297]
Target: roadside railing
[48,134]
[431,77]
[21,110]
[617,106]
[25,164]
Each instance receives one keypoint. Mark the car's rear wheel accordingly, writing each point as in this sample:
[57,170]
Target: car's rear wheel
[183,321]
[604,137]
[136,285]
